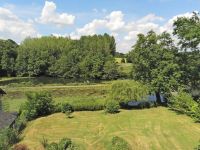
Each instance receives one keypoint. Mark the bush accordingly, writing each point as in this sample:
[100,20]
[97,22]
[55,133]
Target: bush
[63,144]
[52,146]
[20,147]
[21,121]
[38,104]
[112,107]
[124,91]
[184,103]
[66,108]
[196,111]
[8,137]
[119,144]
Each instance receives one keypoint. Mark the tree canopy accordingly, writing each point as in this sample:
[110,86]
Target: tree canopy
[91,57]
[154,60]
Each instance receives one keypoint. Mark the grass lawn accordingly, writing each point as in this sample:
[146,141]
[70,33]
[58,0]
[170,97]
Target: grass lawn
[154,129]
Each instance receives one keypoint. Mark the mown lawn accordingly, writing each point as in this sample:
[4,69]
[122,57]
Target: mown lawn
[148,129]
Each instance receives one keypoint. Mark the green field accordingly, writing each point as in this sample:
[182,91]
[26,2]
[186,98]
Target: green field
[61,90]
[17,95]
[148,129]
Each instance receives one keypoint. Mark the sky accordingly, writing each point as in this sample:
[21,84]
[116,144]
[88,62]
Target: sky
[123,19]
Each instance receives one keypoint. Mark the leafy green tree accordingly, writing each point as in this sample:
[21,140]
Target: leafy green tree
[38,104]
[187,29]
[8,55]
[110,69]
[154,62]
[64,57]
[124,91]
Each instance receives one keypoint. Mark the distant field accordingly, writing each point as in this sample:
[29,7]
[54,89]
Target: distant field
[17,95]
[62,90]
[148,129]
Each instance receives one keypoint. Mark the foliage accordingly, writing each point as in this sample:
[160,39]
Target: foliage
[38,104]
[21,120]
[67,109]
[119,144]
[88,58]
[123,60]
[112,107]
[127,90]
[183,103]
[63,144]
[154,62]
[8,137]
[110,70]
[8,55]
[187,29]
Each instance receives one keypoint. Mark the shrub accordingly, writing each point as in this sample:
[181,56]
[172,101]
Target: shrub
[112,107]
[123,60]
[88,105]
[8,137]
[20,147]
[52,146]
[82,105]
[63,144]
[124,91]
[184,103]
[21,121]
[119,144]
[196,111]
[38,104]
[66,108]
[58,107]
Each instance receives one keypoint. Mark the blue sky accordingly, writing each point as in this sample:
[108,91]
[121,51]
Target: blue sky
[123,19]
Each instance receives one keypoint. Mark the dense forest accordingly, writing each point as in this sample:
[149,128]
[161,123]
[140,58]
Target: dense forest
[91,57]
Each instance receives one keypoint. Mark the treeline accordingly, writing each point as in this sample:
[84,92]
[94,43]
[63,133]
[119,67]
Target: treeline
[91,57]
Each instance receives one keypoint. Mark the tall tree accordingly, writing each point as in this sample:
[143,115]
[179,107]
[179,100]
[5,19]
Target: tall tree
[187,29]
[154,62]
[8,55]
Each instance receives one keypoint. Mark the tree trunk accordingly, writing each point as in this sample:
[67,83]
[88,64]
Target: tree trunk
[158,98]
